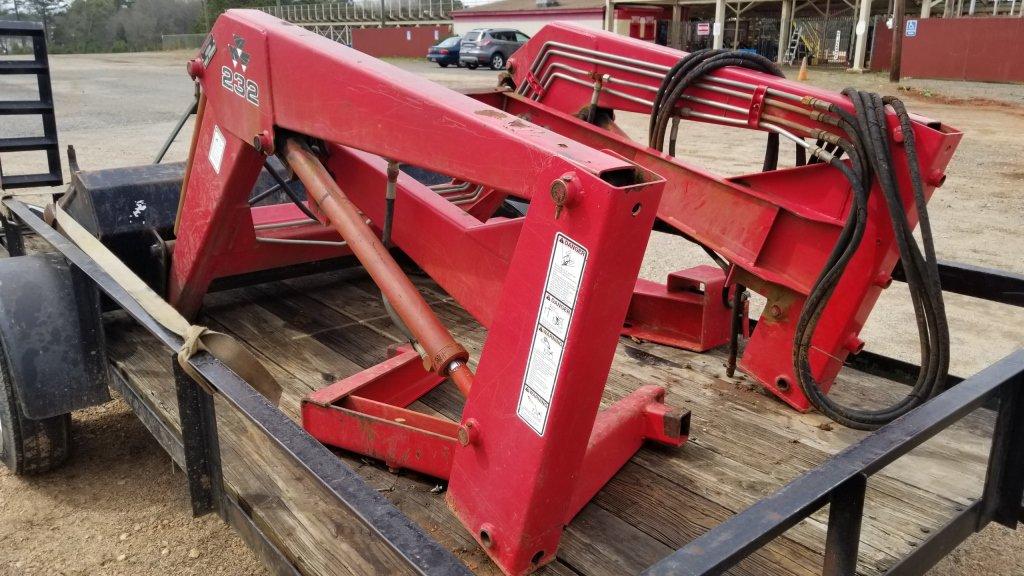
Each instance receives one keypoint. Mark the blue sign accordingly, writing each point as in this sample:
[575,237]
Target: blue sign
[911,28]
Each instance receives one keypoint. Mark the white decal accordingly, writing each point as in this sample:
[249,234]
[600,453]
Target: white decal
[238,84]
[140,207]
[561,288]
[217,145]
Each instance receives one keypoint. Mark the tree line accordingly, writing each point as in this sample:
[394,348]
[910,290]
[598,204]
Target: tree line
[77,26]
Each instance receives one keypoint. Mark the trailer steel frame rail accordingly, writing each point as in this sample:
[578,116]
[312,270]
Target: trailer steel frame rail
[840,481]
[200,448]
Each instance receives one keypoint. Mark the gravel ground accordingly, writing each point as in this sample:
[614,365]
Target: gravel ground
[120,507]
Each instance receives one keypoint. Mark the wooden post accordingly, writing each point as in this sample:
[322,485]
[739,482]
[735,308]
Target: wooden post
[736,28]
[784,29]
[898,22]
[675,39]
[719,27]
[861,35]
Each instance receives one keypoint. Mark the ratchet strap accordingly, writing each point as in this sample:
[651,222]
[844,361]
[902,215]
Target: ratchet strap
[223,347]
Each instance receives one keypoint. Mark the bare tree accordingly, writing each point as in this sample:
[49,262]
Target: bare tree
[45,10]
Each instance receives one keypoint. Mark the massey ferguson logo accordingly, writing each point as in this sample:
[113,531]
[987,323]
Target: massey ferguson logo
[236,82]
[238,53]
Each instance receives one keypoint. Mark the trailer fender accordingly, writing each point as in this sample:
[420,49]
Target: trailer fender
[51,336]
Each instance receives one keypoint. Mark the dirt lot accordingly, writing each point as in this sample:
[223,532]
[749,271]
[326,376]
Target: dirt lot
[120,507]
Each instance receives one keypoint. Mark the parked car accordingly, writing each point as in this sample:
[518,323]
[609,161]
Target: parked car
[446,52]
[490,46]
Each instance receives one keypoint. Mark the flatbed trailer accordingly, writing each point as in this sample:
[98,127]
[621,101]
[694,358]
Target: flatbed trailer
[748,495]
[759,490]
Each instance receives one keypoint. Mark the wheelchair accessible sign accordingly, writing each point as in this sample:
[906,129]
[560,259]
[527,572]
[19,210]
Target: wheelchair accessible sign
[911,28]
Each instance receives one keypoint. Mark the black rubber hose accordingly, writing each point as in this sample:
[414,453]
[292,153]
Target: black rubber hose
[691,68]
[870,130]
[678,79]
[688,70]
[284,187]
[262,195]
[869,157]
[735,327]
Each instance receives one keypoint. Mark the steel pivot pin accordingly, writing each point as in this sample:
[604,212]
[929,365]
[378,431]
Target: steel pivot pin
[563,190]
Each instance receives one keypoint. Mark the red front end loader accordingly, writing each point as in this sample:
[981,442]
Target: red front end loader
[539,234]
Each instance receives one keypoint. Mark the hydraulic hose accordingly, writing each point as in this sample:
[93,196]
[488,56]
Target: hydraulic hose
[869,158]
[688,70]
[871,127]
[691,68]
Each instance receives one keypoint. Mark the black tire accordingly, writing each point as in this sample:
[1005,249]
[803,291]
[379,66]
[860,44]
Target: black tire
[497,61]
[442,64]
[29,447]
[472,66]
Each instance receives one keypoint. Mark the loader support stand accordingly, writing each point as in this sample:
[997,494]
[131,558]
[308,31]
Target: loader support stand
[200,442]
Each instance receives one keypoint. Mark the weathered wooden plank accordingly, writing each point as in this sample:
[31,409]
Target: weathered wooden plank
[296,512]
[744,445]
[752,458]
[411,493]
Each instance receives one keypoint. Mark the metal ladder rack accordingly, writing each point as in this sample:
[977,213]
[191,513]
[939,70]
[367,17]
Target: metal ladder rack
[794,44]
[43,106]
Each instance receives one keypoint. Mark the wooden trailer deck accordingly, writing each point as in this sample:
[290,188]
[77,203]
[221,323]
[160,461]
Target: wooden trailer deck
[743,446]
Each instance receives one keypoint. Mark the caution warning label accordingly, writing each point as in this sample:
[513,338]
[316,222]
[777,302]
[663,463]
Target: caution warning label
[561,288]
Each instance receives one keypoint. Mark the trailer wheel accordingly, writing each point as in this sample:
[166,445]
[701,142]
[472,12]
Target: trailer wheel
[27,446]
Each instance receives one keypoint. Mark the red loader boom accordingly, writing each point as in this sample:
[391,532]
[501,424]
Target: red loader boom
[552,287]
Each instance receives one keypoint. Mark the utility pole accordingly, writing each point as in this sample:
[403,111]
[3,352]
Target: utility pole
[736,28]
[675,31]
[898,22]
[861,33]
[718,30]
[784,24]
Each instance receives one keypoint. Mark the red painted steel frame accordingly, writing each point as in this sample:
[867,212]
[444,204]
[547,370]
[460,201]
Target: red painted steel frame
[531,448]
[688,311]
[776,227]
[508,466]
[366,413]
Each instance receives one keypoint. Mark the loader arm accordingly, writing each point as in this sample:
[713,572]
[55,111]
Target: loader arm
[775,228]
[270,78]
[552,287]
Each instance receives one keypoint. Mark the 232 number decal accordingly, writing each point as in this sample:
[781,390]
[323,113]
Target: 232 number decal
[235,82]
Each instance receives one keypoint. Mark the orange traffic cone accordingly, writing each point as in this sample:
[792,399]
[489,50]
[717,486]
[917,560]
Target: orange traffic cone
[802,75]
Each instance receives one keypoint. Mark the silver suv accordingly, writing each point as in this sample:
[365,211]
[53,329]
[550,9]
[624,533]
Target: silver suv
[490,46]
